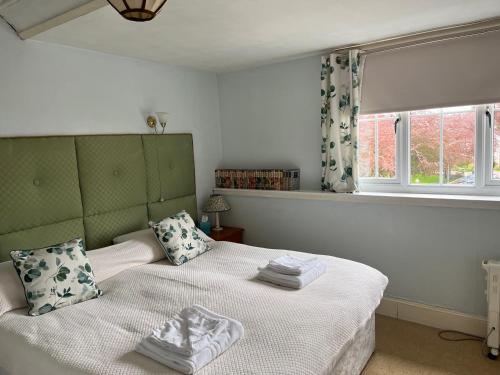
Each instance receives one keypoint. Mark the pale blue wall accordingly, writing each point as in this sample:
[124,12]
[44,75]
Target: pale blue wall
[48,89]
[270,118]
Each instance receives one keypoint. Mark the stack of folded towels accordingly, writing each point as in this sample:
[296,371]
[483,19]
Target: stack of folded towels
[192,339]
[292,272]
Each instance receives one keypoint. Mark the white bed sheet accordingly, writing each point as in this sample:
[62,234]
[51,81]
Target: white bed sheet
[286,331]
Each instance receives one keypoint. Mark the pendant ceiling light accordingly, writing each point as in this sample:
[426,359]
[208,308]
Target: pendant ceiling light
[137,10]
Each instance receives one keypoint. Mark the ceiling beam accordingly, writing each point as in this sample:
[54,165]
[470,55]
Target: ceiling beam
[70,15]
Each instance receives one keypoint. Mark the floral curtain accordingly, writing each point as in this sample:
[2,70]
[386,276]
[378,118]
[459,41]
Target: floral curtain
[341,77]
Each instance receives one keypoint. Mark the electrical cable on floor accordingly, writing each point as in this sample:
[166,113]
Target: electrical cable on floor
[467,337]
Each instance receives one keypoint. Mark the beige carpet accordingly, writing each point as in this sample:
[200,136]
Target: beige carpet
[408,349]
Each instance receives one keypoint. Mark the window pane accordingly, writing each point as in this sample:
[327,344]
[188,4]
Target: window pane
[366,150]
[459,130]
[424,147]
[496,143]
[386,148]
[377,145]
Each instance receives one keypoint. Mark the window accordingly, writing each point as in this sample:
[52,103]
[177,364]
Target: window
[377,146]
[442,145]
[447,150]
[494,125]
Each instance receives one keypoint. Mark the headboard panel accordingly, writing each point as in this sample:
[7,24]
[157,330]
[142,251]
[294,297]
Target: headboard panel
[170,175]
[53,189]
[173,177]
[113,185]
[39,192]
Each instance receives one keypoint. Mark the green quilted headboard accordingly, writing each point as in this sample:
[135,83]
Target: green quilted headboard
[53,189]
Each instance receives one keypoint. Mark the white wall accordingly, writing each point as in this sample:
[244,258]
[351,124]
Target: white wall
[47,89]
[270,117]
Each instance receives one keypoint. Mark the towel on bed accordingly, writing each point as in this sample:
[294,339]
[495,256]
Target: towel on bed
[290,265]
[189,332]
[289,281]
[191,340]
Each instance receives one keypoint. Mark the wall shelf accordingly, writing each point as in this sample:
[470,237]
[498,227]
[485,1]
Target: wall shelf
[426,200]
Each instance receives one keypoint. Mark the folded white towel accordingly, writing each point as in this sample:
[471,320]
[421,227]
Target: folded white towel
[296,282]
[290,265]
[218,339]
[189,332]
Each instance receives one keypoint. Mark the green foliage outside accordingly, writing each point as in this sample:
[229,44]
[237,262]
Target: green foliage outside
[424,179]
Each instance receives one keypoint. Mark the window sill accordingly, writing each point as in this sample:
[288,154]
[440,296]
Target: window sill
[425,200]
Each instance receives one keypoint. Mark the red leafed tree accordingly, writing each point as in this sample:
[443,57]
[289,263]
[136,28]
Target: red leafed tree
[425,139]
[459,140]
[458,143]
[386,148]
[366,149]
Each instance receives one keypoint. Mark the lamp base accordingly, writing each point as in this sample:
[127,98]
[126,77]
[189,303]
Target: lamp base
[217,223]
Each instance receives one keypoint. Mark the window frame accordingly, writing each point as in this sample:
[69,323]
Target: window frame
[382,180]
[488,146]
[483,162]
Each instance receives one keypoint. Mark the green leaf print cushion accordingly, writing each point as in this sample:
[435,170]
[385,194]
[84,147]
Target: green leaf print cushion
[55,276]
[180,238]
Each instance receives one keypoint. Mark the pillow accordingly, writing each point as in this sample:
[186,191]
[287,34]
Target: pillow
[145,234]
[133,236]
[106,262]
[180,238]
[11,289]
[204,236]
[109,261]
[55,276]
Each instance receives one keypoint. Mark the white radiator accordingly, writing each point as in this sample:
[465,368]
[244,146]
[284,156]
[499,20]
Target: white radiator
[492,268]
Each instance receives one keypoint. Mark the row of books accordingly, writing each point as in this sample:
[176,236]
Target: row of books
[258,179]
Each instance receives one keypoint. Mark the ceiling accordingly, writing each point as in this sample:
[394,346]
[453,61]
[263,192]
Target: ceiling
[23,14]
[228,35]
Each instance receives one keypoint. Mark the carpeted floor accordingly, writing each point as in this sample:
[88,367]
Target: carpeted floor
[405,348]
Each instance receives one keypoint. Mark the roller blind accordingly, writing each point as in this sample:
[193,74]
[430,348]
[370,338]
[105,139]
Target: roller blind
[455,72]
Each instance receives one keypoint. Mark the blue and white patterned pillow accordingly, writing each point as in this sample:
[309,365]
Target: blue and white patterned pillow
[180,238]
[55,276]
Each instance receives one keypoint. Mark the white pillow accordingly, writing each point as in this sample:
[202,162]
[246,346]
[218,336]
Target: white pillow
[106,262]
[111,260]
[11,289]
[145,233]
[134,235]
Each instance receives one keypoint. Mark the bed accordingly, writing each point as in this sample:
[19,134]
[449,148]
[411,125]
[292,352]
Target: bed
[99,187]
[325,328]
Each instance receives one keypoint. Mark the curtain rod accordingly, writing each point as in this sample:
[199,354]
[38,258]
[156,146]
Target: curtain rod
[424,37]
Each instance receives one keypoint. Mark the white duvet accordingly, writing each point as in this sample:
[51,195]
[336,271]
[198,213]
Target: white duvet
[286,331]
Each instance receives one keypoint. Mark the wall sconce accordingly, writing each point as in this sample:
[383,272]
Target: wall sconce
[162,119]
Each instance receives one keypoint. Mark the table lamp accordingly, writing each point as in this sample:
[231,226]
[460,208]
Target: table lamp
[216,203]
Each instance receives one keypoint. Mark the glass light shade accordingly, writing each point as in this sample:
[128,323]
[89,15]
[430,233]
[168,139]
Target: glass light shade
[216,203]
[162,117]
[137,10]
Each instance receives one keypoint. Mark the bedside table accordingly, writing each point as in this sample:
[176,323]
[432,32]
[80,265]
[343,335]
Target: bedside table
[228,234]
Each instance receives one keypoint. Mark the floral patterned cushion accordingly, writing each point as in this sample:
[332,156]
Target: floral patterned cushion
[55,276]
[180,238]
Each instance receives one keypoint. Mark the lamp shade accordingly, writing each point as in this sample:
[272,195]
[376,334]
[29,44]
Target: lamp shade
[216,203]
[137,10]
[162,117]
